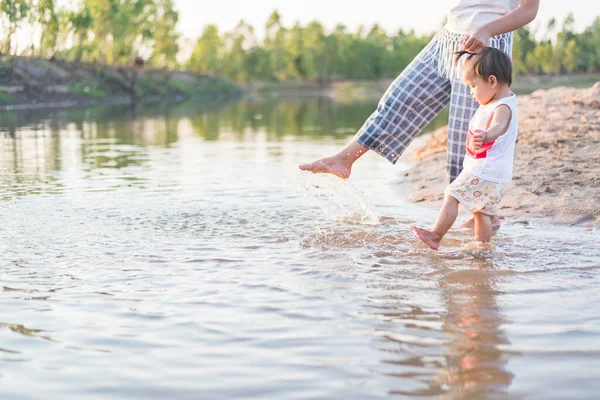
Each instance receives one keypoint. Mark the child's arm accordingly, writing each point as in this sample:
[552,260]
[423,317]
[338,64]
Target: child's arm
[508,23]
[498,127]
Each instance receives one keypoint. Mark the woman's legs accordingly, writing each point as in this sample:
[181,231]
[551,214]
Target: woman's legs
[443,223]
[417,95]
[462,109]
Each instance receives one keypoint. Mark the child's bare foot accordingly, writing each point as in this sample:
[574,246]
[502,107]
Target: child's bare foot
[470,223]
[330,165]
[429,238]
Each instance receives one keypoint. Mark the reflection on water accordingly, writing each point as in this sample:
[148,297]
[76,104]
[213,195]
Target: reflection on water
[475,365]
[119,136]
[177,252]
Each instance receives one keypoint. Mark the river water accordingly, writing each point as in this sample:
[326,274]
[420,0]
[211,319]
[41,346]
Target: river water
[177,252]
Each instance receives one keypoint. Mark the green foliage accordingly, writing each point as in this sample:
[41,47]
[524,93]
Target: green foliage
[46,16]
[207,52]
[571,55]
[102,31]
[15,12]
[308,53]
[165,50]
[86,91]
[5,96]
[119,31]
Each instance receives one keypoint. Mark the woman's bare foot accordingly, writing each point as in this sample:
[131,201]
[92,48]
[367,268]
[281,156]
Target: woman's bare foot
[429,238]
[340,164]
[470,223]
[335,165]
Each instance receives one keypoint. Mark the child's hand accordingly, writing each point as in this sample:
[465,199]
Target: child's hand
[478,138]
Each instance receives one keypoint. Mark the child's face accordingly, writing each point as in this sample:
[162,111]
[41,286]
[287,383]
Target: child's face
[481,89]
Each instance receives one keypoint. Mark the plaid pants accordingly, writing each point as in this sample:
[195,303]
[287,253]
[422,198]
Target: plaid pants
[418,94]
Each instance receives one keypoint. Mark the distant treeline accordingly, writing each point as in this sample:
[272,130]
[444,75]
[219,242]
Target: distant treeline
[121,31]
[106,31]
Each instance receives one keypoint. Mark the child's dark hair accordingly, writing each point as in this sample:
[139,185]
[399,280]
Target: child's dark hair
[489,61]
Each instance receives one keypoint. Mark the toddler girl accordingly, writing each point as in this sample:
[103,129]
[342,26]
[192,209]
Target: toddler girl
[490,146]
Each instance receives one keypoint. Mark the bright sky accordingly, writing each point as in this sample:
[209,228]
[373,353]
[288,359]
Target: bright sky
[424,16]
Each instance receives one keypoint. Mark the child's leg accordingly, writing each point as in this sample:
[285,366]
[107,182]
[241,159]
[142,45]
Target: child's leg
[444,221]
[447,216]
[470,223]
[483,227]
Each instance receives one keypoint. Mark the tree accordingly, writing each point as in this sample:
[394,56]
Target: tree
[79,24]
[132,30]
[165,37]
[589,44]
[275,44]
[377,51]
[101,14]
[237,45]
[314,51]
[543,58]
[550,26]
[571,56]
[47,17]
[295,46]
[15,12]
[568,23]
[207,52]
[522,46]
[117,31]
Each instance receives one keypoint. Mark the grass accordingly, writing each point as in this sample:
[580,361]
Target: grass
[5,96]
[267,87]
[366,89]
[183,87]
[86,91]
[203,87]
[145,86]
[98,81]
[524,85]
[222,86]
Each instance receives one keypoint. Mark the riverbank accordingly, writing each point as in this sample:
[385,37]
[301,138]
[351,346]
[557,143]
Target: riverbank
[352,90]
[557,161]
[42,83]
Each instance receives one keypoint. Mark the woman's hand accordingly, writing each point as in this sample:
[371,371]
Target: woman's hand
[475,40]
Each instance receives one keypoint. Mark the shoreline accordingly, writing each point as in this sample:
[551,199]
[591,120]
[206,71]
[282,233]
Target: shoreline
[556,174]
[112,100]
[37,83]
[41,83]
[345,90]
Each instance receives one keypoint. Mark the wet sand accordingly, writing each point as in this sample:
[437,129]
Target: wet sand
[557,161]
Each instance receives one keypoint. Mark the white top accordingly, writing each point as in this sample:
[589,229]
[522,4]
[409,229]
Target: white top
[496,163]
[471,14]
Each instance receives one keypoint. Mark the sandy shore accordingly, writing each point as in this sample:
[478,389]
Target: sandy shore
[557,161]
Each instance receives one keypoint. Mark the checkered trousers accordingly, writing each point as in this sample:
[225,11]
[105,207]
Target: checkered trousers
[418,94]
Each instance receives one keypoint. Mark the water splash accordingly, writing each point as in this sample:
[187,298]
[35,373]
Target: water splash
[338,198]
